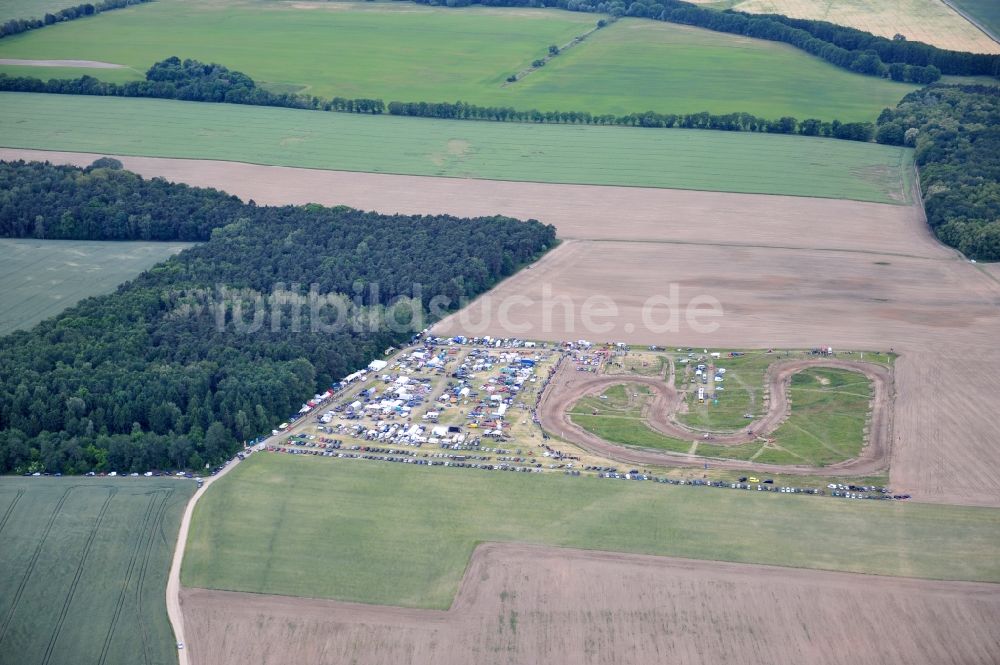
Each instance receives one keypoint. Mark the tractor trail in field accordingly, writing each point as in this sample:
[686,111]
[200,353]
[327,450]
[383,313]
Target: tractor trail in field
[150,538]
[31,563]
[142,530]
[76,578]
[10,509]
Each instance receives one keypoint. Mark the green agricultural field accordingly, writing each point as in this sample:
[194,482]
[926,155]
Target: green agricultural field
[85,563]
[985,12]
[681,69]
[675,158]
[31,8]
[402,535]
[405,52]
[123,75]
[43,277]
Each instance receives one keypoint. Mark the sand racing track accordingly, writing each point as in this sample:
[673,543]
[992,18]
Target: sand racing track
[527,604]
[568,386]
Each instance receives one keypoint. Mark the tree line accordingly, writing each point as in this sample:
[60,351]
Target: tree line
[147,377]
[856,50]
[956,133]
[191,80]
[730,122]
[18,25]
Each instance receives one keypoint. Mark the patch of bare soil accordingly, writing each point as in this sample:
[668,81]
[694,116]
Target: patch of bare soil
[569,385]
[526,604]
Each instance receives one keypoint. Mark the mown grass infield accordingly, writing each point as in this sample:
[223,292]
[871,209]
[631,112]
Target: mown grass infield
[397,534]
[85,563]
[673,158]
[411,53]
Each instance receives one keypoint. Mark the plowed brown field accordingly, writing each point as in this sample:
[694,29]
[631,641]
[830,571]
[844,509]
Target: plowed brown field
[524,604]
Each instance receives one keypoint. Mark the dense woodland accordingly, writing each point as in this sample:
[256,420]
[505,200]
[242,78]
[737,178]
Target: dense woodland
[40,200]
[19,25]
[956,132]
[147,378]
[192,80]
[852,49]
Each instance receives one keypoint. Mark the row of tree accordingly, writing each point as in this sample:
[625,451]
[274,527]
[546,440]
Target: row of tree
[18,25]
[192,80]
[956,133]
[730,122]
[223,341]
[844,47]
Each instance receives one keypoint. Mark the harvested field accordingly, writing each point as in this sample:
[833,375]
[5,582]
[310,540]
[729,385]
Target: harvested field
[568,386]
[929,21]
[525,604]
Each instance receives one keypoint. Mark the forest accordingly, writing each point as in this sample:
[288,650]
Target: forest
[191,80]
[844,47]
[223,341]
[105,202]
[956,133]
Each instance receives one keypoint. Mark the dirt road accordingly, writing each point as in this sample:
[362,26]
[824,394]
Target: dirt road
[569,385]
[174,612]
[528,604]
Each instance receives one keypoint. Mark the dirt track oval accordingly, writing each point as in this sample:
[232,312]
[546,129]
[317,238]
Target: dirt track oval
[568,386]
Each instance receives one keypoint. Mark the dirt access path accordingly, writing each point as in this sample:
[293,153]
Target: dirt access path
[569,385]
[174,578]
[528,604]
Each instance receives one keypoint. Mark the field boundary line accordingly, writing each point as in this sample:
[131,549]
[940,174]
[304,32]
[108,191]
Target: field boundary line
[31,562]
[76,578]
